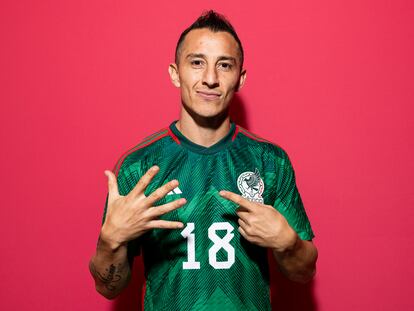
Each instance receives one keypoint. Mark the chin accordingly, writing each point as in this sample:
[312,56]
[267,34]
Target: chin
[208,110]
[207,114]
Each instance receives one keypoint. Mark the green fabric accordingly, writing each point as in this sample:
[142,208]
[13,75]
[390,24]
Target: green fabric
[202,173]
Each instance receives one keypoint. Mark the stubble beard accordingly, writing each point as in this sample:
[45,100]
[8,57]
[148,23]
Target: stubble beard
[207,121]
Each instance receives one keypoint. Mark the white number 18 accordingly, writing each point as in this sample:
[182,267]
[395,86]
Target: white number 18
[219,243]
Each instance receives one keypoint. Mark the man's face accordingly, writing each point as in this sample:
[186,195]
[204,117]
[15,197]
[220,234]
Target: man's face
[208,72]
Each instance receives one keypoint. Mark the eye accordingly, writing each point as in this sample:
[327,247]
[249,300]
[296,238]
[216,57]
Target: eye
[197,63]
[225,66]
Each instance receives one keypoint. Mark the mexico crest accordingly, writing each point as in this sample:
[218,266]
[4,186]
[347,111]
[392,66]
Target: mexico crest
[251,186]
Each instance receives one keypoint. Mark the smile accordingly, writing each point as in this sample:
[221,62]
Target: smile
[208,95]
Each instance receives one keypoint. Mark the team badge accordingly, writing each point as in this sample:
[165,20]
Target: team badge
[251,186]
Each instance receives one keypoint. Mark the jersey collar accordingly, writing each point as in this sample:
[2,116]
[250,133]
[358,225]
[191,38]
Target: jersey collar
[188,144]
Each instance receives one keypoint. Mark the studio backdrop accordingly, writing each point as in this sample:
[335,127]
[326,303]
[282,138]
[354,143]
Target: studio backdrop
[331,82]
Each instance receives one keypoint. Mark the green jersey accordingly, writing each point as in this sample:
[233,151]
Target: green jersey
[208,265]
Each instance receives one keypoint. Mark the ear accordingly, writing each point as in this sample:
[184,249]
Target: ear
[175,77]
[242,79]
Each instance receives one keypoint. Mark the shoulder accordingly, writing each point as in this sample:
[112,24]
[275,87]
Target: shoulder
[145,148]
[265,146]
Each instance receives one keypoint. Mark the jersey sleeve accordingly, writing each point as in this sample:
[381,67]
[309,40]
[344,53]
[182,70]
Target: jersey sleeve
[125,180]
[288,201]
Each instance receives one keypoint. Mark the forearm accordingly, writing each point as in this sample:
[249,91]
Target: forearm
[110,268]
[299,262]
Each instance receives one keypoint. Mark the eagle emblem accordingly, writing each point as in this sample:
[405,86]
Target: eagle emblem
[251,186]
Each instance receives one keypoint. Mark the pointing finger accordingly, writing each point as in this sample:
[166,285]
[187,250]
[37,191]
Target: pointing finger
[236,198]
[144,181]
[112,185]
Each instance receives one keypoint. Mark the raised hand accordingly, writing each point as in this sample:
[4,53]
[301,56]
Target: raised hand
[262,224]
[130,216]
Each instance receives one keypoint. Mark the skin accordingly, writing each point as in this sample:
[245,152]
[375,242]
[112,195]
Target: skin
[128,217]
[208,74]
[263,225]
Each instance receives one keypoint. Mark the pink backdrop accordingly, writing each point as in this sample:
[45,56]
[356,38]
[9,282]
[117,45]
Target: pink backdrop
[330,81]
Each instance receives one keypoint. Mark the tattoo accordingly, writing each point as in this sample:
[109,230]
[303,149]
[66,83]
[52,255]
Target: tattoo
[108,278]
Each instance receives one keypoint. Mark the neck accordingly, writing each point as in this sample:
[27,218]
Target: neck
[203,131]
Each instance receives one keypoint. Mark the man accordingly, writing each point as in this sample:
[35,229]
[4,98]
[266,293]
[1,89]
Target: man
[204,199]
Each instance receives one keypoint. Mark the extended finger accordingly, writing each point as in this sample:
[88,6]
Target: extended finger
[164,224]
[168,207]
[161,192]
[236,198]
[144,181]
[112,185]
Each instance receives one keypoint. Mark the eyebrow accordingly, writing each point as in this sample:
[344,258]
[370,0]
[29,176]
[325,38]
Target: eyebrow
[201,55]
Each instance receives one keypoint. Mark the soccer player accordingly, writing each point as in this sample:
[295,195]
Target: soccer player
[204,199]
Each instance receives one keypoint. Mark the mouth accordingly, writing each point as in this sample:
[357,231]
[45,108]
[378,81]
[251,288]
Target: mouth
[208,95]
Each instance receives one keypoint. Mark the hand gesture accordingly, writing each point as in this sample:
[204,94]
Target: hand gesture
[130,216]
[262,224]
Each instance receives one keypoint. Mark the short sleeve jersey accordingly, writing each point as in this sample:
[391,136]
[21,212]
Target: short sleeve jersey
[208,265]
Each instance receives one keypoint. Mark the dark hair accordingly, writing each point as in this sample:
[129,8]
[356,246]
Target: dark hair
[214,22]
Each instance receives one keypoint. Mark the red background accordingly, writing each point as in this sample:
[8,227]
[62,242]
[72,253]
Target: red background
[329,81]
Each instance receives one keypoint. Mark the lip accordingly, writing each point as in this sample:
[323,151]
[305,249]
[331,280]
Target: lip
[208,95]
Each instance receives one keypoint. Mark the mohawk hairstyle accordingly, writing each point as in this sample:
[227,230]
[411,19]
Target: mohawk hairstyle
[214,22]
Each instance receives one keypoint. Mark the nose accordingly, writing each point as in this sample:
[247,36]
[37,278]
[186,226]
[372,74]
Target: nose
[210,77]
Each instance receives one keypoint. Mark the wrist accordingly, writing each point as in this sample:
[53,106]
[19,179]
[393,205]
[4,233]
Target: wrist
[108,241]
[290,244]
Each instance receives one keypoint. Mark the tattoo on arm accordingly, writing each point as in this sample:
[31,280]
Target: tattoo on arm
[110,277]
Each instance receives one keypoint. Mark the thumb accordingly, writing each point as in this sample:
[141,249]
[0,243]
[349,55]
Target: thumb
[112,185]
